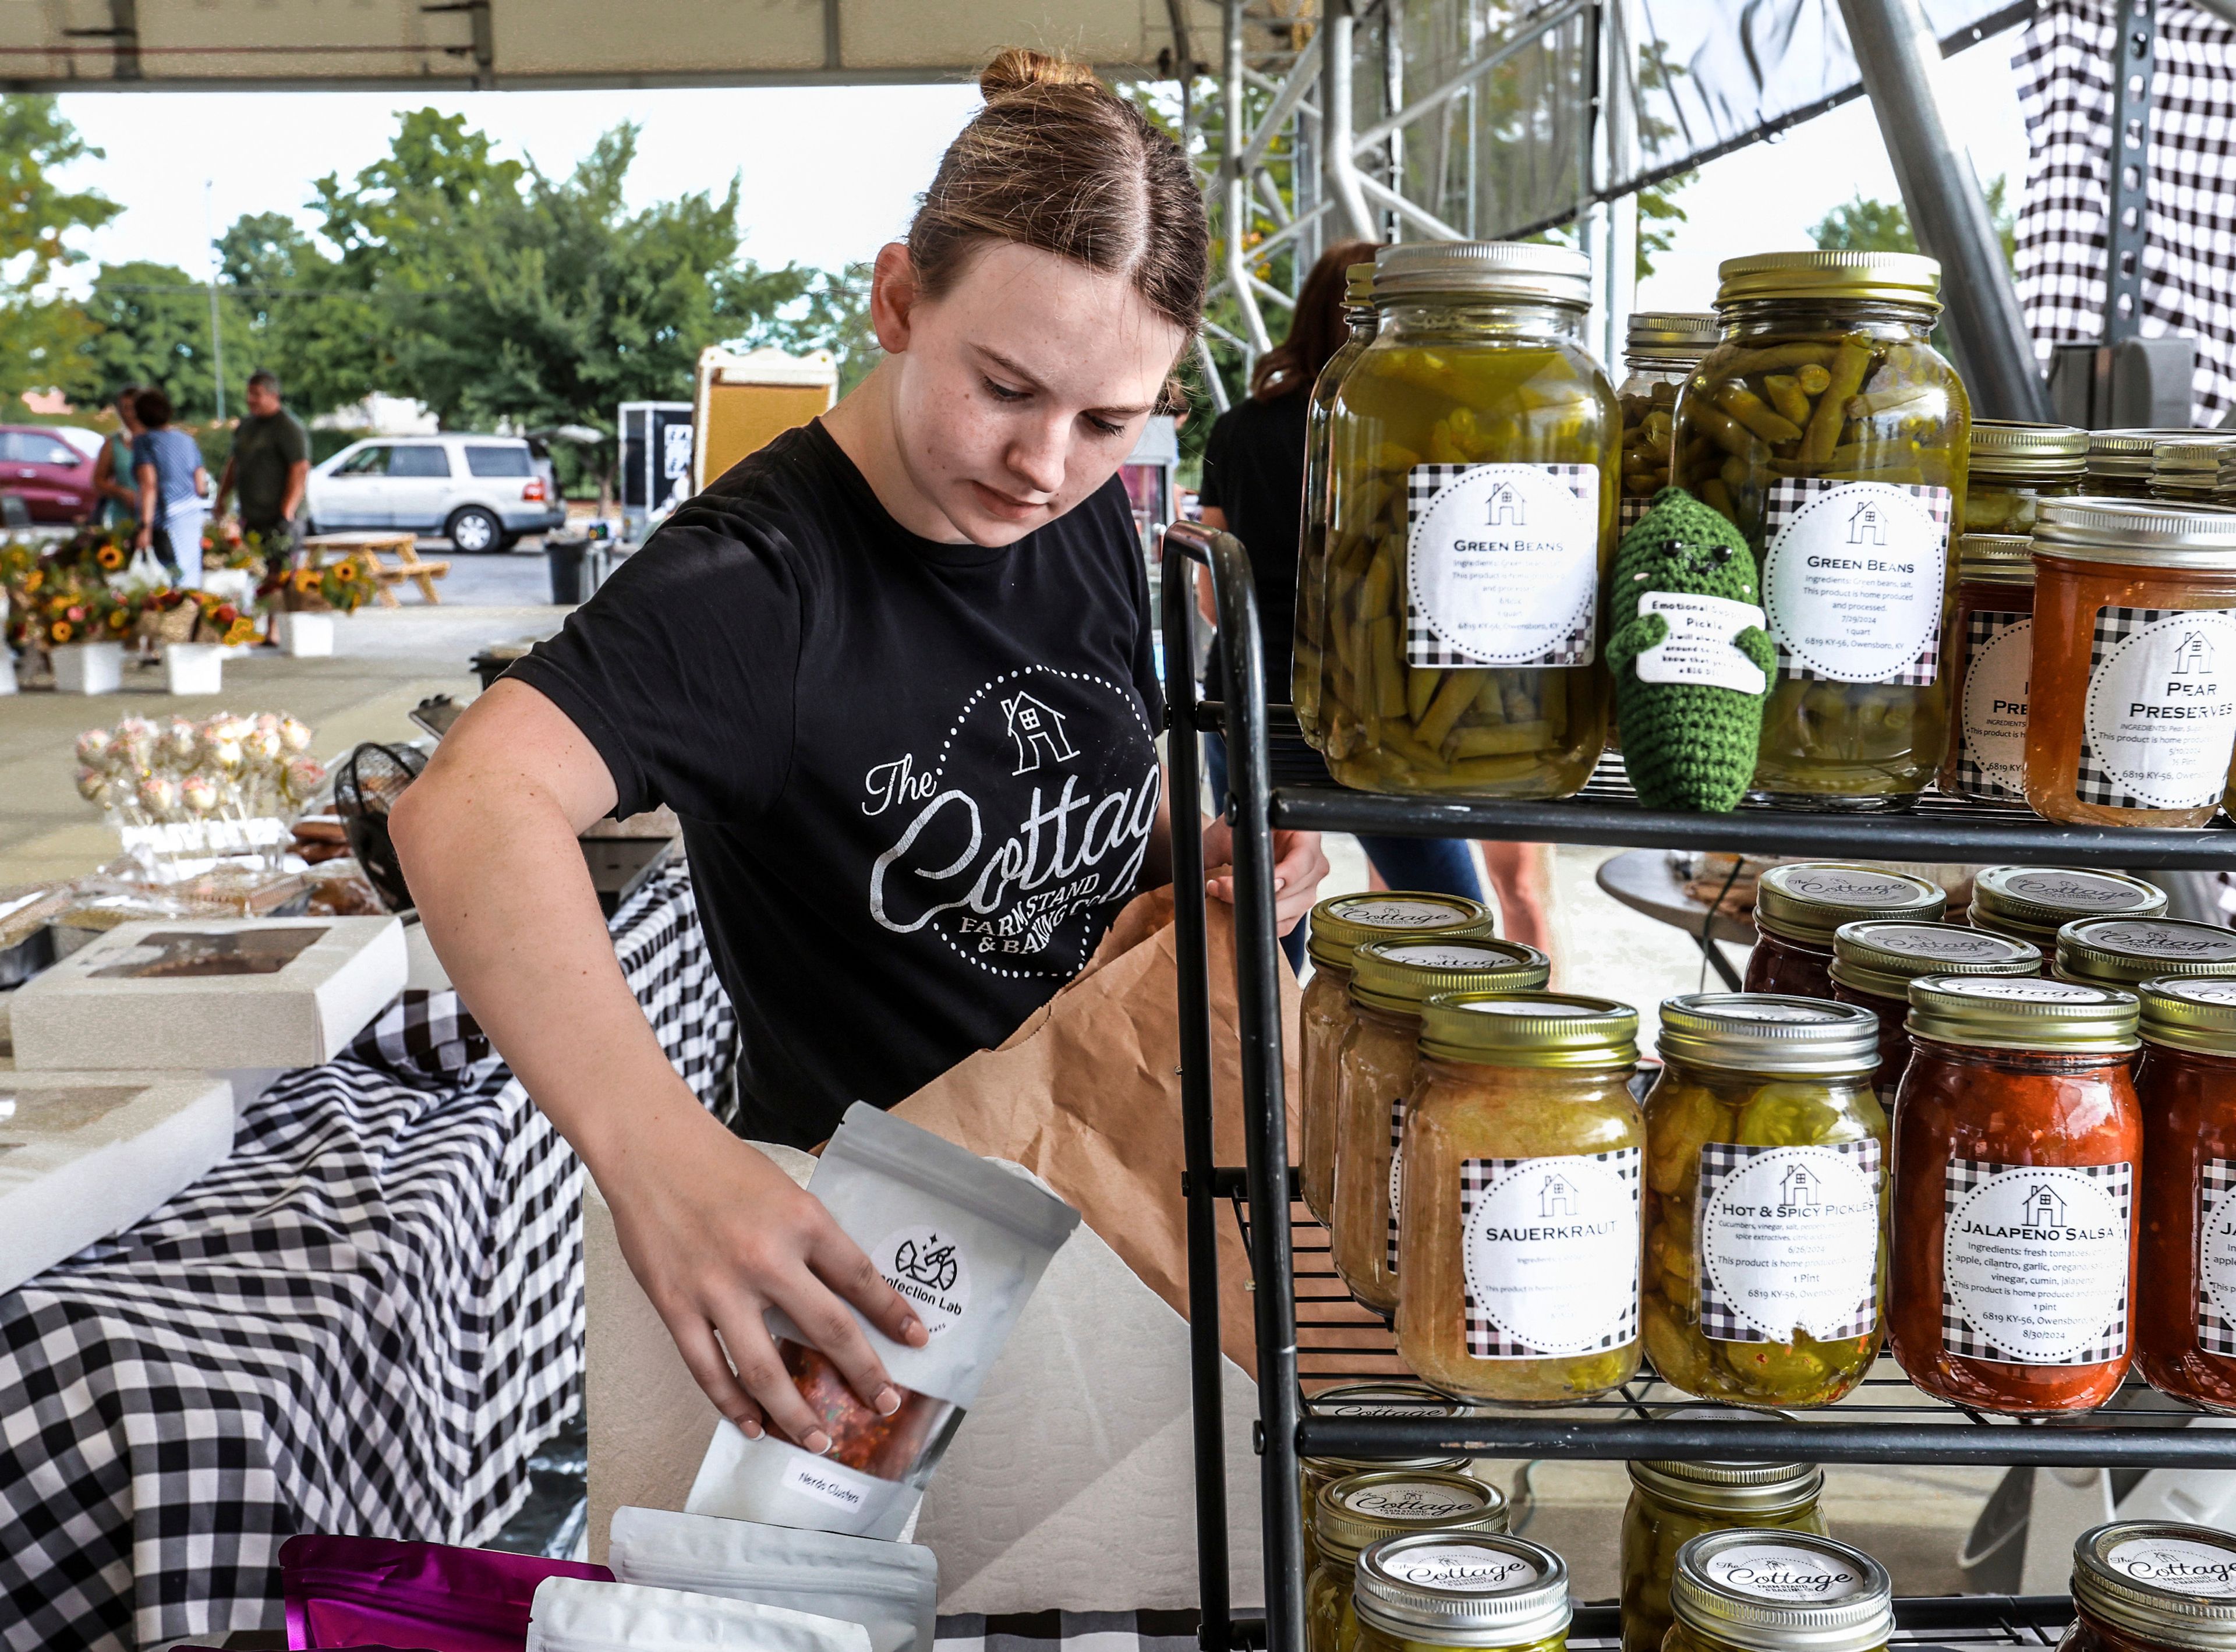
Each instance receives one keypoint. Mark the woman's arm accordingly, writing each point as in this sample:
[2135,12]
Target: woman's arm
[713,1231]
[146,474]
[1215,519]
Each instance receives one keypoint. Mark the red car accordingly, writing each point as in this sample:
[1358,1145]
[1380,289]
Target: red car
[53,479]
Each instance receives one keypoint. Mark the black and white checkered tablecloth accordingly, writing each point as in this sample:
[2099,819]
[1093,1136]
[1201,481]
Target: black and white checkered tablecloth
[365,1321]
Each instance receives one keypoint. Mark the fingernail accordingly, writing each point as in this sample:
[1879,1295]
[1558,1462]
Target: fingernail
[817,1442]
[888,1400]
[749,1428]
[916,1336]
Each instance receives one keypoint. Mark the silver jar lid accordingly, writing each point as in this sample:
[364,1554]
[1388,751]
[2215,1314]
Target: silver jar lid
[1782,1591]
[2129,452]
[1723,1488]
[1998,559]
[1390,1398]
[1674,338]
[2121,951]
[1361,1509]
[1806,900]
[1453,1589]
[1524,272]
[1883,959]
[2165,1583]
[1765,1032]
[2006,448]
[2135,533]
[2022,1012]
[2189,462]
[2033,903]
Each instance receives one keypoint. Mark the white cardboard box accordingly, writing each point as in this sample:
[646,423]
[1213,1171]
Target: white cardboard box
[193,667]
[83,1156]
[90,667]
[211,993]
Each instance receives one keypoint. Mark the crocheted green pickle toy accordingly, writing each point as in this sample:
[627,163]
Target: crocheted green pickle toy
[1691,726]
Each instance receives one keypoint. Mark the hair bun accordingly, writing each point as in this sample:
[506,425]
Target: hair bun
[1018,69]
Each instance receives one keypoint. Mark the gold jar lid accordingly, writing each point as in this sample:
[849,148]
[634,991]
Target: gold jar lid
[2006,448]
[1741,1491]
[1884,958]
[1360,1509]
[1673,338]
[1768,1032]
[1397,974]
[2195,1013]
[2162,1583]
[2127,453]
[1898,278]
[1998,559]
[2189,461]
[1358,285]
[2135,533]
[1463,1588]
[1520,272]
[1781,1591]
[1340,925]
[1529,1029]
[1391,1398]
[2022,1012]
[2033,903]
[2121,951]
[1806,901]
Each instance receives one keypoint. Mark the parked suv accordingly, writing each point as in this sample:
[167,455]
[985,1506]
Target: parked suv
[481,492]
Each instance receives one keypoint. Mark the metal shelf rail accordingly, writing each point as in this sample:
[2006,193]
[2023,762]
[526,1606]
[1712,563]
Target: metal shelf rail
[1875,1425]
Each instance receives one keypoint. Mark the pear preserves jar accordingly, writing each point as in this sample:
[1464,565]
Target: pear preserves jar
[2152,1586]
[2033,903]
[2186,1259]
[1799,906]
[1308,663]
[1471,504]
[1990,663]
[1438,1593]
[1777,1591]
[1361,1509]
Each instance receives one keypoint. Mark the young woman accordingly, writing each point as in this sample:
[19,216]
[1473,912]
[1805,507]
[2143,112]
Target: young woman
[173,486]
[894,673]
[113,478]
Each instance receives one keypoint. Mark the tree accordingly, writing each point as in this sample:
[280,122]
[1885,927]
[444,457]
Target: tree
[150,324]
[41,336]
[304,321]
[1865,225]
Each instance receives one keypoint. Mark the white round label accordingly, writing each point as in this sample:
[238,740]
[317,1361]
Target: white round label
[2212,991]
[1448,955]
[1853,583]
[2216,1256]
[1765,1010]
[2020,989]
[1991,722]
[1789,1238]
[2148,937]
[1781,1571]
[1478,1569]
[2035,1261]
[1415,1500]
[1503,563]
[2160,711]
[1549,1251]
[1522,1007]
[1948,943]
[1380,1408]
[2077,892]
[2178,1563]
[928,1267]
[1391,912]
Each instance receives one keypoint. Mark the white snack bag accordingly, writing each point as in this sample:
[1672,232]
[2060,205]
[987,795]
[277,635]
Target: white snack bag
[890,1588]
[966,1241]
[576,1615]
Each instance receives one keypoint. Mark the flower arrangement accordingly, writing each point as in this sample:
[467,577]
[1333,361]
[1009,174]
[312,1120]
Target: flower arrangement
[340,586]
[53,615]
[179,787]
[172,615]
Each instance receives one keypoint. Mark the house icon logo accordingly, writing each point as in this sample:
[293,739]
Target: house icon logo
[1038,731]
[2194,657]
[1505,507]
[1556,1196]
[1798,1188]
[1866,526]
[2044,1208]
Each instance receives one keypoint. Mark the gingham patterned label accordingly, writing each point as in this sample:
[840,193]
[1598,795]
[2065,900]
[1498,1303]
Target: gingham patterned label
[2216,1257]
[1549,1254]
[2160,718]
[2034,1262]
[1991,722]
[1788,1238]
[1628,512]
[1397,1174]
[1852,578]
[1501,564]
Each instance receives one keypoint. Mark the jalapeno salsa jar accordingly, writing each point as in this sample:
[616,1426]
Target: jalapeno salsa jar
[1840,443]
[1359,1510]
[2125,952]
[1518,1236]
[2033,903]
[2016,1141]
[1873,965]
[1387,1399]
[2152,1586]
[2131,714]
[2014,465]
[1777,1591]
[1374,1073]
[1990,650]
[2120,463]
[2186,1258]
[1765,1188]
[1337,927]
[1799,906]
[1660,353]
[1308,664]
[1438,1592]
[1471,498]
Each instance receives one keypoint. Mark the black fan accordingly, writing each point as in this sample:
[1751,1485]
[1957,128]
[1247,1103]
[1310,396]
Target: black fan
[366,787]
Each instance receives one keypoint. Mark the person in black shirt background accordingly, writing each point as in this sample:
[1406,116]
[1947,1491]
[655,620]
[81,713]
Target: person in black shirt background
[893,672]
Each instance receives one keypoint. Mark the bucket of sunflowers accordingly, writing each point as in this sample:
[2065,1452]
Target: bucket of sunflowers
[194,629]
[75,632]
[305,600]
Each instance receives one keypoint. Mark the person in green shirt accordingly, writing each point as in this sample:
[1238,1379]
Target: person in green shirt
[270,469]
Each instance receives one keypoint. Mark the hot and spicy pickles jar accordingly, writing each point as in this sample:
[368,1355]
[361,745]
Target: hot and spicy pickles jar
[2152,1586]
[2185,1260]
[1797,907]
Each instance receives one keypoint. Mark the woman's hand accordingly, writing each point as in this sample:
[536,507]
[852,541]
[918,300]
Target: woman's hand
[1298,866]
[145,539]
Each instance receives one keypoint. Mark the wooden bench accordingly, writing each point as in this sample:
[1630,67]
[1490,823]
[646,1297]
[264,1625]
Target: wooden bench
[367,547]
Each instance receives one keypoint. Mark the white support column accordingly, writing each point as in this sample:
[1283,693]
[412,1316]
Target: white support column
[1234,187]
[1338,125]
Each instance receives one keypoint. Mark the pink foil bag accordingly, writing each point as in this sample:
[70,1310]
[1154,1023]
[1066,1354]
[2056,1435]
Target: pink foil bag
[429,1598]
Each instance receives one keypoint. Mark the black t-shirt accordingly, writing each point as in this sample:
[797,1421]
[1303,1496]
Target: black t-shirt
[916,780]
[1253,469]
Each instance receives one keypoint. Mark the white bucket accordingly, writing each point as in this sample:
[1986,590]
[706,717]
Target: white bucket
[307,636]
[194,668]
[90,667]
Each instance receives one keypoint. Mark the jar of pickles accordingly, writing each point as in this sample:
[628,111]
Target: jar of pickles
[1471,504]
[1990,659]
[1672,1503]
[1658,354]
[1797,906]
[1433,1591]
[2187,472]
[1307,664]
[2016,1137]
[2131,717]
[2125,952]
[2013,465]
[1765,1183]
[1777,1591]
[2120,463]
[2033,903]
[1518,1240]
[1358,1512]
[1374,1073]
[1390,1398]
[1873,965]
[2185,1261]
[2152,1586]
[1337,927]
[1840,441]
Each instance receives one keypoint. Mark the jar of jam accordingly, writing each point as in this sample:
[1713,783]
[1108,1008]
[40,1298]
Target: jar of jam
[1873,965]
[1990,656]
[1436,1591]
[1777,1591]
[1307,666]
[2152,1586]
[2016,1137]
[1360,1511]
[1386,1398]
[2131,717]
[1765,1186]
[2014,465]
[1374,1073]
[2033,903]
[1658,354]
[1797,907]
[1518,1240]
[2186,1259]
[1471,498]
[1337,927]
[2126,951]
[2120,463]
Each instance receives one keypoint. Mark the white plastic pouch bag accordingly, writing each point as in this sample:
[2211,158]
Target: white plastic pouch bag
[890,1589]
[966,1241]
[574,1615]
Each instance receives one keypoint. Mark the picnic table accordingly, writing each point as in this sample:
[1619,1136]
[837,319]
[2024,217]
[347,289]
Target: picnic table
[367,547]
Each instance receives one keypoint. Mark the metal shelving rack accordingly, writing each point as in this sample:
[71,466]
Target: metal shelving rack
[1305,1329]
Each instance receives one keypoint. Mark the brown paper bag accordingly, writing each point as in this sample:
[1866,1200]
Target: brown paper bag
[1087,1094]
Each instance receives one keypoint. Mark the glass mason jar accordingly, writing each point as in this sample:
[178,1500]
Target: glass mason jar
[2016,1136]
[1337,928]
[1393,1397]
[2120,462]
[2126,951]
[1359,1512]
[2131,718]
[1841,441]
[2185,1259]
[1799,906]
[1471,500]
[1673,1502]
[2152,1586]
[1766,1186]
[1658,354]
[2015,464]
[1777,1591]
[1518,1236]
[1990,657]
[2033,903]
[1374,1073]
[2187,472]
[1437,1593]
[1873,965]
[1307,666]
